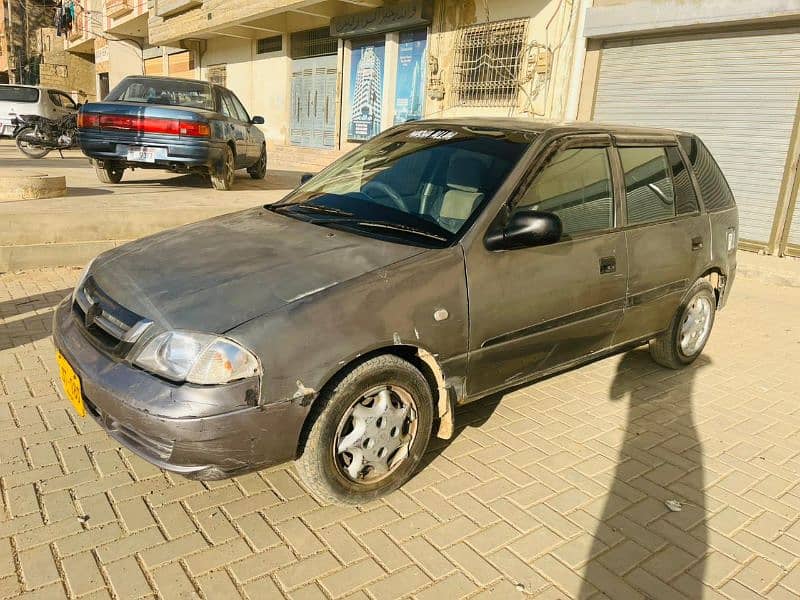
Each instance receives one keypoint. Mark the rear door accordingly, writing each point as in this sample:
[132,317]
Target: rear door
[534,309]
[667,237]
[62,103]
[236,128]
[253,146]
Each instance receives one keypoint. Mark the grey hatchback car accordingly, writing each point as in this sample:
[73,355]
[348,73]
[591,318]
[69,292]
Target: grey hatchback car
[439,263]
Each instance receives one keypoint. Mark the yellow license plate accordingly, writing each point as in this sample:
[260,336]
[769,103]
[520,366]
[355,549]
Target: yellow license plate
[71,383]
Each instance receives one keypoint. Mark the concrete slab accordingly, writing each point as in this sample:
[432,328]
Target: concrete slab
[93,216]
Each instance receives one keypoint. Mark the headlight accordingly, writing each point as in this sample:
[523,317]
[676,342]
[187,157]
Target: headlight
[82,279]
[197,358]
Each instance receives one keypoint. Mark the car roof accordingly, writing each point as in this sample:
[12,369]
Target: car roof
[165,78]
[542,125]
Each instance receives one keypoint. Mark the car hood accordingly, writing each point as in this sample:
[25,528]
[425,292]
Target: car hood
[216,274]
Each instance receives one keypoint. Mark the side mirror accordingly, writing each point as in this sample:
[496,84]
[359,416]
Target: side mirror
[305,177]
[525,229]
[257,120]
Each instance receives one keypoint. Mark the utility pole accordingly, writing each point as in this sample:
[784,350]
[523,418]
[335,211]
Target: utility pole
[10,54]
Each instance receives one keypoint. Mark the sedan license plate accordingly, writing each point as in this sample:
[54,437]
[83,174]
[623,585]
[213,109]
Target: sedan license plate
[145,154]
[71,383]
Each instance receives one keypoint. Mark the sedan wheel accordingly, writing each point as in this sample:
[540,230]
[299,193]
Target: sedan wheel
[259,170]
[222,179]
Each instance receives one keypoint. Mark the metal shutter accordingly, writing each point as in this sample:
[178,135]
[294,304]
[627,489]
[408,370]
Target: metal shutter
[738,92]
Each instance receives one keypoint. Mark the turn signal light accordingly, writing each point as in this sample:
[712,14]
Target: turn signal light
[194,129]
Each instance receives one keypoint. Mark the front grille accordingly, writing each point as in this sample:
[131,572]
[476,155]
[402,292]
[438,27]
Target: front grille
[109,325]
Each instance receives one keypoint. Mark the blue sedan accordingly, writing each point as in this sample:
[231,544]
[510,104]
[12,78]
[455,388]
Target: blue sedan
[180,125]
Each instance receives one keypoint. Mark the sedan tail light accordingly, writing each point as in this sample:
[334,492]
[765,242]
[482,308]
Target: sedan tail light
[140,124]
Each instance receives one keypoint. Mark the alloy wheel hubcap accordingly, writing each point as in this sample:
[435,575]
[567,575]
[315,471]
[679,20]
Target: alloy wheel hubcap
[375,435]
[696,325]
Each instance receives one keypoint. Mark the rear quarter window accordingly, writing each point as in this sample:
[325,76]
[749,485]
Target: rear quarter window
[714,188]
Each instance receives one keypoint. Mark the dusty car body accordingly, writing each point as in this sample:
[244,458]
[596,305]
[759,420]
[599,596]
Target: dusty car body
[450,309]
[17,100]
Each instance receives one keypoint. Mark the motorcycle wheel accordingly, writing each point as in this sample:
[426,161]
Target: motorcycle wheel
[28,148]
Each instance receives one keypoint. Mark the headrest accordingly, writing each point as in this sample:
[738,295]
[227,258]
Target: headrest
[465,172]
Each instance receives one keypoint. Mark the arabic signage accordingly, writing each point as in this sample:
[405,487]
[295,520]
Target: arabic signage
[403,15]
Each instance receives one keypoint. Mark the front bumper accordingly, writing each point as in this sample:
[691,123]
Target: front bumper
[181,152]
[200,431]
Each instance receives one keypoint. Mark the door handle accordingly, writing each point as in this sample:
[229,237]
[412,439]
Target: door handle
[697,243]
[608,264]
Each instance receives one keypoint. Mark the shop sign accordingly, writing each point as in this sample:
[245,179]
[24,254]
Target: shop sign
[403,15]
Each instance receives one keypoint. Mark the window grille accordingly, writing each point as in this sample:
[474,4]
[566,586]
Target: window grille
[313,42]
[488,63]
[270,44]
[217,74]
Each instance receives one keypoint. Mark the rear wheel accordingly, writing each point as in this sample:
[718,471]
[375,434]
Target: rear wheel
[367,434]
[222,178]
[26,140]
[259,169]
[690,329]
[108,171]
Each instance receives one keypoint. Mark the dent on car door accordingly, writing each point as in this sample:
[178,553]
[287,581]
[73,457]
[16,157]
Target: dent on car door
[534,309]
[667,237]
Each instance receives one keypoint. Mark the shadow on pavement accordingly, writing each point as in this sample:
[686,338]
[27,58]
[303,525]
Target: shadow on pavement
[660,461]
[28,319]
[85,191]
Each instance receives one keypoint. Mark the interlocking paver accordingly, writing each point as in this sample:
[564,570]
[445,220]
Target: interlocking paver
[558,491]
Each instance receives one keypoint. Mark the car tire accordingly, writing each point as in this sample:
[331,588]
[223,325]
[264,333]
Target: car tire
[108,171]
[222,179]
[259,169]
[683,342]
[390,403]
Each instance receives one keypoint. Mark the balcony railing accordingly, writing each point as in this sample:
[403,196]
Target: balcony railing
[117,8]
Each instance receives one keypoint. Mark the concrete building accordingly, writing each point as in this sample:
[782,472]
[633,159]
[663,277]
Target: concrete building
[328,74]
[728,70]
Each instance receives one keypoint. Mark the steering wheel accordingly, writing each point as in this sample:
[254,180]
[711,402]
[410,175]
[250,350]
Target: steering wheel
[396,199]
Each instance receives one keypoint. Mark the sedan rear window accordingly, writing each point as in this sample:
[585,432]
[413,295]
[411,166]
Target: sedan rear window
[166,92]
[16,93]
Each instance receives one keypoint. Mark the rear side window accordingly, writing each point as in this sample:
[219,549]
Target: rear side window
[714,188]
[575,185]
[685,196]
[16,93]
[648,185]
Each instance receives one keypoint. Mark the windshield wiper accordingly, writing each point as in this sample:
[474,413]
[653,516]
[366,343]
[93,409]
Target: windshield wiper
[384,225]
[314,208]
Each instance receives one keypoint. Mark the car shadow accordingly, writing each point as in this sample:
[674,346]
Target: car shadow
[85,191]
[653,525]
[29,319]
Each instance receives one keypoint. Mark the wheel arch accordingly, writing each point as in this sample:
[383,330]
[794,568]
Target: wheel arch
[421,358]
[716,278]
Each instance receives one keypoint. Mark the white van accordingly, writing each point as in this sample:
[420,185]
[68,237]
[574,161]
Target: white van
[18,99]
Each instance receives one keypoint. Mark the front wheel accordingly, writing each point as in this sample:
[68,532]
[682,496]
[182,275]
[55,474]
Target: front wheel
[366,435]
[108,171]
[27,143]
[222,178]
[689,330]
[259,169]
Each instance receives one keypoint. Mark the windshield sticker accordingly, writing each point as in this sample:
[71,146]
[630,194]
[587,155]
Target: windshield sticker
[433,134]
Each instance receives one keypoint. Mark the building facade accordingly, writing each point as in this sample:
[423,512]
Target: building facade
[728,70]
[326,75]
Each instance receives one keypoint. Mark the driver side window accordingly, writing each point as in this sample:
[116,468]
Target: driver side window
[576,185]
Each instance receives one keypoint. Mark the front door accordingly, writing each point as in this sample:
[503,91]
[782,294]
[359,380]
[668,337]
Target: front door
[668,239]
[313,102]
[534,309]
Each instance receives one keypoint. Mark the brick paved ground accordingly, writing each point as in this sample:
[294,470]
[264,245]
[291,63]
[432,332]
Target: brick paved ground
[557,490]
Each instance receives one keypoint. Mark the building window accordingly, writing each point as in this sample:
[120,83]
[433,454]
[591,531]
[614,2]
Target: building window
[217,74]
[269,44]
[313,42]
[488,63]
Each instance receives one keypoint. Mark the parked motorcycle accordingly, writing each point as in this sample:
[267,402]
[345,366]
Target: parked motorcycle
[37,136]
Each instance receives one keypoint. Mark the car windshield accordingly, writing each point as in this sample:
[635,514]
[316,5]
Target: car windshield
[16,93]
[422,184]
[170,92]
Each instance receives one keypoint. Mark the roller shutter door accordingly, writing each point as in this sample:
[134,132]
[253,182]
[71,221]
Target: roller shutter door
[738,92]
[181,65]
[154,66]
